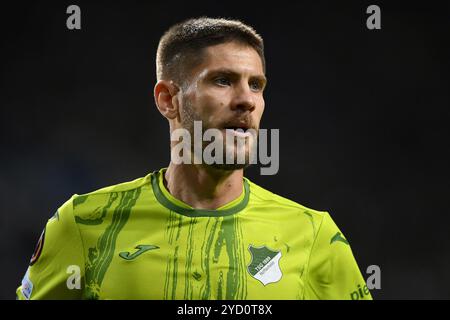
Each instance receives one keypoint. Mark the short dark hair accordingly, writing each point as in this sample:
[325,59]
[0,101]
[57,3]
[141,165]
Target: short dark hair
[181,47]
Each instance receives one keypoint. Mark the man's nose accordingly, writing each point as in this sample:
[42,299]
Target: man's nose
[243,99]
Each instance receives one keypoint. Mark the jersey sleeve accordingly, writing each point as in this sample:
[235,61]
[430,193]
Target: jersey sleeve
[56,269]
[333,273]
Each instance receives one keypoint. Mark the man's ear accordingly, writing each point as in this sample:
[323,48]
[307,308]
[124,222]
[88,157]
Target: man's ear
[165,98]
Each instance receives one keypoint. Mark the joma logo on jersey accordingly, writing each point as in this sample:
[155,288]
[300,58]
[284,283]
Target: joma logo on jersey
[338,237]
[264,265]
[140,250]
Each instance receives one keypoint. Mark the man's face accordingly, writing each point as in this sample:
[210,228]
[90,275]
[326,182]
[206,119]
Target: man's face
[225,92]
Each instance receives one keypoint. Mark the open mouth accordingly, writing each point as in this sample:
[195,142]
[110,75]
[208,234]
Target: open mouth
[239,131]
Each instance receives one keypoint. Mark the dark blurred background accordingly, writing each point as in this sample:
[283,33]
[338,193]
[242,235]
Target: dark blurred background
[363,118]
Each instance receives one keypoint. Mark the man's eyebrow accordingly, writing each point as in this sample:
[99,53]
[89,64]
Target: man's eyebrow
[232,73]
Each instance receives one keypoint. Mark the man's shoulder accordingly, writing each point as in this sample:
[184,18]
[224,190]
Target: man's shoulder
[120,187]
[268,198]
[88,205]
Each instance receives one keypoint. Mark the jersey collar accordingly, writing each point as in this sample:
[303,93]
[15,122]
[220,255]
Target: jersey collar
[163,196]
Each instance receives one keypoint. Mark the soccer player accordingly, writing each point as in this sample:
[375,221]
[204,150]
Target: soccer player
[196,231]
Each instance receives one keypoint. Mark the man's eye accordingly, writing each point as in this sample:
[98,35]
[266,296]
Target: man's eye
[222,81]
[255,86]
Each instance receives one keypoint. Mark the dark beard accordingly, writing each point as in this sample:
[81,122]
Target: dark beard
[188,116]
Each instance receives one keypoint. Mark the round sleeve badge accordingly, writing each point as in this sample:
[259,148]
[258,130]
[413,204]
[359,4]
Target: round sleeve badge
[38,250]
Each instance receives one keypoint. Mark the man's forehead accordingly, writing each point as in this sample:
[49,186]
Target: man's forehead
[233,57]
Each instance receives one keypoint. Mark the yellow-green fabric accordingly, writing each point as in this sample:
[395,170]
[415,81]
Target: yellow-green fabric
[136,241]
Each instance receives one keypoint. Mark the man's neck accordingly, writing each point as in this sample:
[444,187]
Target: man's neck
[203,187]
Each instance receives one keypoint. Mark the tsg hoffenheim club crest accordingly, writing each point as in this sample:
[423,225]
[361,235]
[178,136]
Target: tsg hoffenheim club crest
[264,265]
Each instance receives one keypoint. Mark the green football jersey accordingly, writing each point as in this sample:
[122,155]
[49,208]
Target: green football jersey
[136,241]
